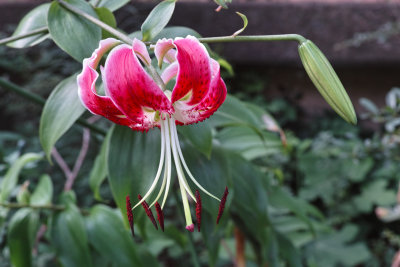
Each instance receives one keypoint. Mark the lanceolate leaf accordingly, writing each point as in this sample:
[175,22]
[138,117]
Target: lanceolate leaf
[68,236]
[99,171]
[112,5]
[157,19]
[73,34]
[43,192]
[107,17]
[34,20]
[61,110]
[199,135]
[103,225]
[132,160]
[10,180]
[21,236]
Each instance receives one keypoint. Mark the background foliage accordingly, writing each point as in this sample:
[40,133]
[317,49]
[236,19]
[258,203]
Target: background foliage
[293,201]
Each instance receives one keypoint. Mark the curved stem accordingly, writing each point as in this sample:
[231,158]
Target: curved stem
[25,35]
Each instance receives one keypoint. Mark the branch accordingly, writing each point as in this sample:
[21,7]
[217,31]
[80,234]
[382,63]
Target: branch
[25,35]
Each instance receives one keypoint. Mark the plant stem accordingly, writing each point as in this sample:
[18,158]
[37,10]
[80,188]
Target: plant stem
[41,101]
[22,36]
[192,250]
[254,38]
[20,205]
[96,21]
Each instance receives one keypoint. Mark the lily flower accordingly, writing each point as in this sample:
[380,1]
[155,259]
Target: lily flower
[136,96]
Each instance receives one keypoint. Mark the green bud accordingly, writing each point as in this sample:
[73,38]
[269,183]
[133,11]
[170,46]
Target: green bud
[327,82]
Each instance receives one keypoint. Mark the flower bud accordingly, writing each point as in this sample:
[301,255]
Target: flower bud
[325,79]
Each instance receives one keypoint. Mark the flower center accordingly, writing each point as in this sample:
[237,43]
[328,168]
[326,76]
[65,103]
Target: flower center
[170,143]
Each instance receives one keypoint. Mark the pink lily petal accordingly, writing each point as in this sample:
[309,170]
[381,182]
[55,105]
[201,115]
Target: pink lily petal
[210,103]
[140,50]
[95,103]
[170,72]
[132,90]
[194,75]
[164,51]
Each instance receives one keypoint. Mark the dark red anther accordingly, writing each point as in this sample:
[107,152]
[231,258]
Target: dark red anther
[160,216]
[198,209]
[222,204]
[148,212]
[129,214]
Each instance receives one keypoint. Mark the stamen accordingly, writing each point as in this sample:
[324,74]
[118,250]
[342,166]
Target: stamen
[198,210]
[148,212]
[168,154]
[129,214]
[222,204]
[186,167]
[160,216]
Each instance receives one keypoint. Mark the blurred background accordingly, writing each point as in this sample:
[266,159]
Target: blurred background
[347,172]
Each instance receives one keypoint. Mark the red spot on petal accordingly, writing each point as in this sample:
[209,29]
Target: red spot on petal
[160,216]
[198,210]
[222,204]
[148,211]
[129,214]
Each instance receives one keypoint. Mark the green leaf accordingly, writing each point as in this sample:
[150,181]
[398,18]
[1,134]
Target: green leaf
[72,33]
[104,224]
[69,238]
[132,160]
[199,135]
[61,110]
[43,192]
[375,193]
[157,19]
[21,236]
[10,180]
[245,22]
[176,31]
[99,171]
[112,5]
[108,18]
[35,19]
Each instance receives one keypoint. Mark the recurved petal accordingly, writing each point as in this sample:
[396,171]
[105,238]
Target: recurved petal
[164,51]
[95,103]
[131,88]
[210,103]
[194,73]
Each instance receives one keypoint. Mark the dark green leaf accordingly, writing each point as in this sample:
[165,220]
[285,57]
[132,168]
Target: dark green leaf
[72,33]
[61,110]
[132,161]
[104,224]
[21,236]
[69,238]
[99,170]
[108,18]
[199,135]
[43,192]
[35,19]
[10,180]
[157,19]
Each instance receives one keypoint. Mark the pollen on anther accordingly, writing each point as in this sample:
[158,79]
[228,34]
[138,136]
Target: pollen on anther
[198,210]
[129,214]
[160,216]
[222,204]
[148,212]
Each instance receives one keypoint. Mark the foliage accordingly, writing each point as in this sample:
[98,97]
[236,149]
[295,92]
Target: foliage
[297,202]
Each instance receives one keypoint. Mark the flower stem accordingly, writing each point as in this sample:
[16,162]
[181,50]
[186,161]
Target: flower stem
[41,101]
[77,11]
[254,38]
[25,35]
